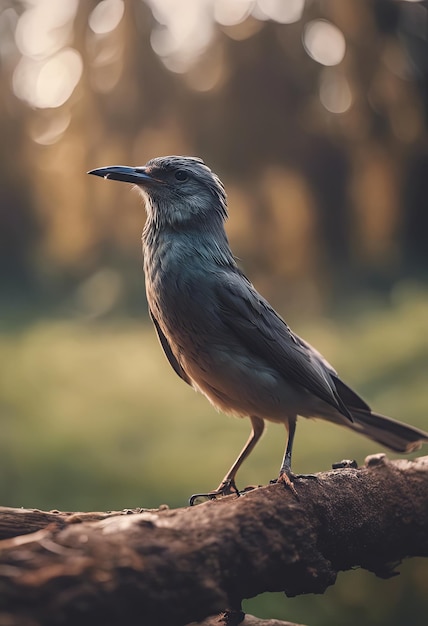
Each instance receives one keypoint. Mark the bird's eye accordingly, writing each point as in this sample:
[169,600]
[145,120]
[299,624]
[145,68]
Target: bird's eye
[181,175]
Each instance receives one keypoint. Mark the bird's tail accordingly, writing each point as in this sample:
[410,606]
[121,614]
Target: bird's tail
[387,431]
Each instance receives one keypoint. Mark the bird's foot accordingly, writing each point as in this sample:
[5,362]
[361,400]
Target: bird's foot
[226,488]
[288,478]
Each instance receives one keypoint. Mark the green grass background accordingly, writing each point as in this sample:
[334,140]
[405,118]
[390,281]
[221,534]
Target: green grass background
[93,418]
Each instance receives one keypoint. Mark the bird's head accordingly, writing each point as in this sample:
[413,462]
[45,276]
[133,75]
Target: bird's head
[177,190]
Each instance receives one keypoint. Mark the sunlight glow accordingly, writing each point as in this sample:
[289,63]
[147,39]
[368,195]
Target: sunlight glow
[47,130]
[50,83]
[324,42]
[106,16]
[45,27]
[8,22]
[334,91]
[229,13]
[282,11]
[181,36]
[49,70]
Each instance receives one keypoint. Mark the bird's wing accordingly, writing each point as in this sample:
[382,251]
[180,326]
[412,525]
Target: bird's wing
[348,396]
[168,352]
[251,318]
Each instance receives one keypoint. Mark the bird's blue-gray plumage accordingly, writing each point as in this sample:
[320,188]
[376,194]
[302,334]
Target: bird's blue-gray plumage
[218,333]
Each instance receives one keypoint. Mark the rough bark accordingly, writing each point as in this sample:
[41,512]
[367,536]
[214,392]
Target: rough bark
[249,620]
[167,568]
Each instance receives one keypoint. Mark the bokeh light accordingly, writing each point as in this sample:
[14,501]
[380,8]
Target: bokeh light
[334,91]
[230,13]
[44,27]
[47,130]
[48,70]
[48,83]
[324,42]
[180,36]
[284,12]
[106,16]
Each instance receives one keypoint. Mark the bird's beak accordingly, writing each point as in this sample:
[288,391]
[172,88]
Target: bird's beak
[135,175]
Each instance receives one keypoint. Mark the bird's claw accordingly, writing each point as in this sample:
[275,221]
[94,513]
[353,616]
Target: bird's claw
[226,488]
[288,478]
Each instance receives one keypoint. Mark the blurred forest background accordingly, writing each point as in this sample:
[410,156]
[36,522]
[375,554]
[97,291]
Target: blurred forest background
[314,114]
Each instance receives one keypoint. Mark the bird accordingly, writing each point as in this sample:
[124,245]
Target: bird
[219,334]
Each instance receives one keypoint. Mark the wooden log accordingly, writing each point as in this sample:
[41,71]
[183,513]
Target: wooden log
[172,567]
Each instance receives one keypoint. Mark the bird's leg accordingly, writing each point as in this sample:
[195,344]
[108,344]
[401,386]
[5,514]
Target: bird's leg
[227,485]
[285,474]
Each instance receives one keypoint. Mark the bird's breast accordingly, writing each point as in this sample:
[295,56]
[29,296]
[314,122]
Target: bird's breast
[179,296]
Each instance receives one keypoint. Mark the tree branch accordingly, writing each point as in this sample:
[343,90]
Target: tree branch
[172,567]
